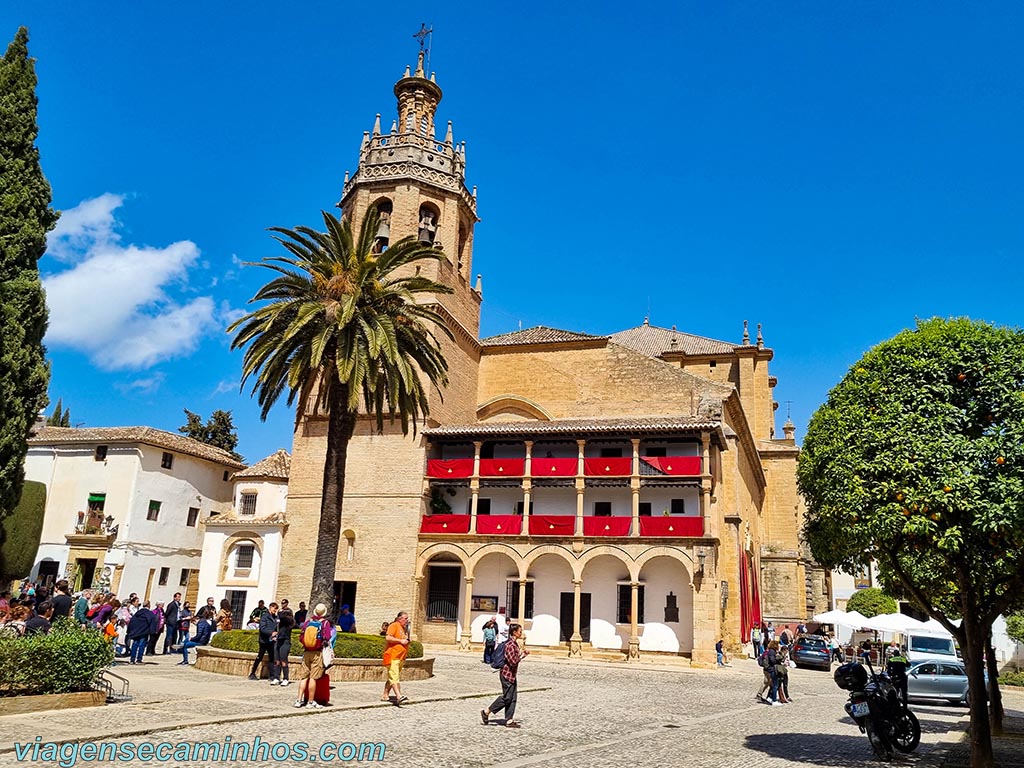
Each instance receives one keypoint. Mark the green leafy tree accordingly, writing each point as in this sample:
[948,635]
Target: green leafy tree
[25,218]
[1015,627]
[342,331]
[21,531]
[61,417]
[917,462]
[871,601]
[218,431]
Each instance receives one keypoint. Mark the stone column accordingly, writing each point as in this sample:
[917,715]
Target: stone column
[581,485]
[527,486]
[576,641]
[522,602]
[474,486]
[634,487]
[710,523]
[634,611]
[415,613]
[467,615]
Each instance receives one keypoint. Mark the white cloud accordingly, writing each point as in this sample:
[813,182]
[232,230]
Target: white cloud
[145,385]
[90,223]
[114,304]
[224,387]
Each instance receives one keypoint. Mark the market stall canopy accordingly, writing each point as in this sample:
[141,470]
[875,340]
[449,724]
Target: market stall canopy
[933,627]
[835,616]
[894,622]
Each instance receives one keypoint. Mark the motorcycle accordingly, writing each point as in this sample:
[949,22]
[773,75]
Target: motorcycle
[878,709]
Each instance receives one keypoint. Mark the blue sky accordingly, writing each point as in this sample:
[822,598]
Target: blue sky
[832,171]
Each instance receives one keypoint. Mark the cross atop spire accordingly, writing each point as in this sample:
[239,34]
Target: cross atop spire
[425,38]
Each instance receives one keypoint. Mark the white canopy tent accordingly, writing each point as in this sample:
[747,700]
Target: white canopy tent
[894,622]
[842,618]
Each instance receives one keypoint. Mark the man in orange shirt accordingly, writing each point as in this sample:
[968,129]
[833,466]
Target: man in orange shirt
[394,655]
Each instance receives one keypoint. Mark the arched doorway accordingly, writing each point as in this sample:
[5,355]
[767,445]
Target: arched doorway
[668,605]
[443,589]
[496,588]
[606,580]
[553,600]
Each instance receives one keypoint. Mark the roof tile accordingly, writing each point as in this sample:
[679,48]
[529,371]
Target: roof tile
[148,435]
[276,466]
[539,334]
[653,341]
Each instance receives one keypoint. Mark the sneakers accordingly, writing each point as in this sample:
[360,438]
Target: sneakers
[182,664]
[299,704]
[275,681]
[775,703]
[285,682]
[485,716]
[314,705]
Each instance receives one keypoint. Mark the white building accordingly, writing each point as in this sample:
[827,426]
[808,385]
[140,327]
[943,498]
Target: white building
[242,547]
[125,505]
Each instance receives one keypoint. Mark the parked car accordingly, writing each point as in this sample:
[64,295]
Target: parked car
[811,651]
[938,680]
[930,647]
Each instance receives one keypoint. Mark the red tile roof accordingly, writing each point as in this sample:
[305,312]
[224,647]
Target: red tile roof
[146,435]
[539,334]
[653,341]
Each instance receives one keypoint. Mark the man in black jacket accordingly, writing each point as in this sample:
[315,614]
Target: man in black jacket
[171,615]
[62,601]
[143,624]
[268,644]
[284,640]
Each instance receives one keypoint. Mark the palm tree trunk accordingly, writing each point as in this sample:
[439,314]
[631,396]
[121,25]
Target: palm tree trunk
[341,424]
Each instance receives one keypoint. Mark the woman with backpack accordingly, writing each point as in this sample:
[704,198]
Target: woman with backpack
[316,633]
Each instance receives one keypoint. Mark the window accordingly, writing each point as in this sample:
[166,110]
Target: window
[519,508]
[237,599]
[101,453]
[443,593]
[653,452]
[244,557]
[164,573]
[483,506]
[678,507]
[487,451]
[928,669]
[512,600]
[167,461]
[193,517]
[602,509]
[645,508]
[97,501]
[611,453]
[225,478]
[183,579]
[154,510]
[626,603]
[248,503]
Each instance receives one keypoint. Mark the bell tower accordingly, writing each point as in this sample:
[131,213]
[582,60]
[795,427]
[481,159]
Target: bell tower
[417,184]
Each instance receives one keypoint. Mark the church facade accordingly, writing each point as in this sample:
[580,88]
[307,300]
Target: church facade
[621,493]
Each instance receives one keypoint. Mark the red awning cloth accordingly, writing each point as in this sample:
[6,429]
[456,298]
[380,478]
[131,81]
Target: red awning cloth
[617,467]
[606,526]
[510,525]
[552,525]
[674,465]
[502,467]
[445,524]
[672,526]
[449,468]
[553,467]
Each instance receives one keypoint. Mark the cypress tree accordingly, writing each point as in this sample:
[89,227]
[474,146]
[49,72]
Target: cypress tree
[25,218]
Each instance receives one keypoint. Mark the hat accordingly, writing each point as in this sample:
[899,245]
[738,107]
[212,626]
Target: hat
[320,610]
[344,608]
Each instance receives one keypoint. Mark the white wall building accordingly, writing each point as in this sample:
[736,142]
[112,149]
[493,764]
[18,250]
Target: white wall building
[124,506]
[242,546]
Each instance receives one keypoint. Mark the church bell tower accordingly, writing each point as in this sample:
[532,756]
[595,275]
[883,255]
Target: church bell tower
[417,184]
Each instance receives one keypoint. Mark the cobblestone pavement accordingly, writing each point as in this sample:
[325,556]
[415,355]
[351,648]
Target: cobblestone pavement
[572,714]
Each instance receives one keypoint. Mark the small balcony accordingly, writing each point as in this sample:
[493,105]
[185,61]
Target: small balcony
[594,526]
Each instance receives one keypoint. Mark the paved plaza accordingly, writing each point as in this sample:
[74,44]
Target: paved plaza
[588,713]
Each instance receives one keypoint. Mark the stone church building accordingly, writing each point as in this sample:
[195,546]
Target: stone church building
[622,493]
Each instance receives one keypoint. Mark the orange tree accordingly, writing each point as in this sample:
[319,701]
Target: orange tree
[916,461]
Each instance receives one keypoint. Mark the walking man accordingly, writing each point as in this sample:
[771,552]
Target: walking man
[140,627]
[286,623]
[394,656]
[509,679]
[172,614]
[268,623]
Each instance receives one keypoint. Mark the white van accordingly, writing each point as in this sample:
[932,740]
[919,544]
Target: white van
[940,647]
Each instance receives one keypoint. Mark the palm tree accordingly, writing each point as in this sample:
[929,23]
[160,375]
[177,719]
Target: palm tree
[343,331]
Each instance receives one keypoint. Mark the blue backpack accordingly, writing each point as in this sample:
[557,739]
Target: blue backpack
[498,656]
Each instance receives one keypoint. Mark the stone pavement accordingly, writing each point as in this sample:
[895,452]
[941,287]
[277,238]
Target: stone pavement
[573,713]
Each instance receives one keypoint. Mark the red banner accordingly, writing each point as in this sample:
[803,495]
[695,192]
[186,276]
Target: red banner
[511,525]
[502,467]
[553,467]
[606,526]
[445,524]
[674,465]
[671,526]
[617,467]
[552,525]
[449,468]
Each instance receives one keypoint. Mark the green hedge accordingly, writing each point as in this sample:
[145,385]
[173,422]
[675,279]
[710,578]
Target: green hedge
[22,529]
[346,646]
[1012,677]
[64,661]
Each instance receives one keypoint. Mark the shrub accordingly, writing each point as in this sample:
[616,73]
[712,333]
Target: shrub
[21,531]
[346,645]
[871,601]
[1015,626]
[63,661]
[1012,677]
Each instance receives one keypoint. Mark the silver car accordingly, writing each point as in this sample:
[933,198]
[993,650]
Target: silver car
[938,680]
